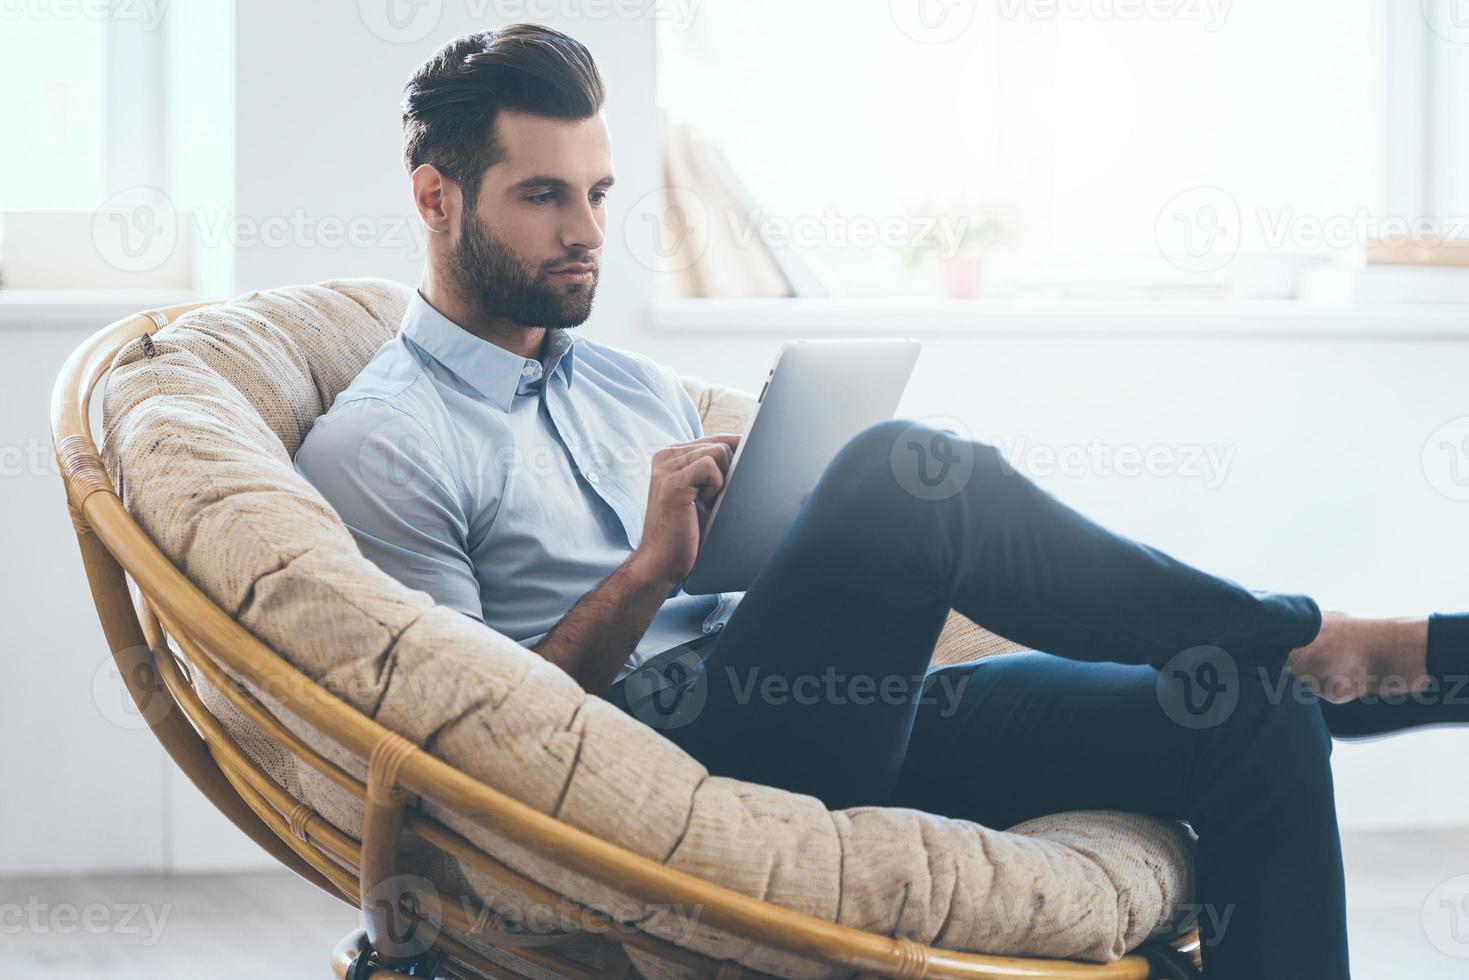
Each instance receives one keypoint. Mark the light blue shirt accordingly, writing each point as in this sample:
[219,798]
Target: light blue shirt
[504,487]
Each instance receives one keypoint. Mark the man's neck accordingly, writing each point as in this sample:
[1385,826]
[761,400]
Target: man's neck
[514,337]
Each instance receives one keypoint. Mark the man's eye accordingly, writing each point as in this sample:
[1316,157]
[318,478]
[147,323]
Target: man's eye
[545,198]
[598,196]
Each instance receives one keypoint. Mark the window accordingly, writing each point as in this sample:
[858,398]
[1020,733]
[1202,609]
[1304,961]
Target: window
[51,71]
[82,175]
[1233,149]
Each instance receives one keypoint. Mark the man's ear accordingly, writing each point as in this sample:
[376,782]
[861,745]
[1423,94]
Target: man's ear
[436,197]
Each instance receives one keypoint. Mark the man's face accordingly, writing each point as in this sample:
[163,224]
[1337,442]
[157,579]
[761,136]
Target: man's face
[530,250]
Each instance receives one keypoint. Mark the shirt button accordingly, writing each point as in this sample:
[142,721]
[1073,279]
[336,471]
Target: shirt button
[528,370]
[592,476]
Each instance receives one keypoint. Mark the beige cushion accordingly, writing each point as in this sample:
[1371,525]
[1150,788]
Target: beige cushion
[200,425]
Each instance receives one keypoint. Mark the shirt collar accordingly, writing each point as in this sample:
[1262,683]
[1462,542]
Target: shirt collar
[490,369]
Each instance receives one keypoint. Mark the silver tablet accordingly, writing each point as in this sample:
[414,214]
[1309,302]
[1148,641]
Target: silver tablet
[818,395]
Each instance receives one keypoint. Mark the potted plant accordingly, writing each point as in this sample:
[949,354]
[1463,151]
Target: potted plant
[955,240]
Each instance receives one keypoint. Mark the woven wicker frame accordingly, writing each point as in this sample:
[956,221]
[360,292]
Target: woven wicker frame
[115,550]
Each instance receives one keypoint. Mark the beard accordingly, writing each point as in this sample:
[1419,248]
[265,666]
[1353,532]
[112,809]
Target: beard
[498,283]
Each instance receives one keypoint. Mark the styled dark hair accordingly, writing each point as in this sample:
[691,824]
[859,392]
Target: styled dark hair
[450,103]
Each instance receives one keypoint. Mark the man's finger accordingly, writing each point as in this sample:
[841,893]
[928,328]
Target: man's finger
[709,479]
[717,439]
[721,454]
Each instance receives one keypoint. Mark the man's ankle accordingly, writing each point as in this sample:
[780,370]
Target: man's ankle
[1353,657]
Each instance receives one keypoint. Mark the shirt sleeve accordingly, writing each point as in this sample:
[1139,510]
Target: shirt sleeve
[388,480]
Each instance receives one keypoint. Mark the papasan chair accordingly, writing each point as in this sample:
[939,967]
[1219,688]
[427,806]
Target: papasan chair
[488,816]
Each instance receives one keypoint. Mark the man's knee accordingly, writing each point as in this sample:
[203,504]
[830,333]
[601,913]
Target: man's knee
[916,460]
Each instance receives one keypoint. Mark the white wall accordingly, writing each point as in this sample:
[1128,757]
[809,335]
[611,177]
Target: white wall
[1326,492]
[79,791]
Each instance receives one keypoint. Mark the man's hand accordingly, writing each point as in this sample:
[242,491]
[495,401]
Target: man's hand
[686,478]
[594,639]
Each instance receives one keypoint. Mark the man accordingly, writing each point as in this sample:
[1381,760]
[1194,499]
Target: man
[555,488]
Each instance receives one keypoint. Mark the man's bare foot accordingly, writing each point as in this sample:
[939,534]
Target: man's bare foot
[1351,658]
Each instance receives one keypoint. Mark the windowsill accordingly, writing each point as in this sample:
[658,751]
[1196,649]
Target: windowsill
[99,307]
[1281,319]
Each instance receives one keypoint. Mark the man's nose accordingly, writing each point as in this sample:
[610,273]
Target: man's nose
[583,229]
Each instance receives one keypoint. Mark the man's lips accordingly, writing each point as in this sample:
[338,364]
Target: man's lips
[576,271]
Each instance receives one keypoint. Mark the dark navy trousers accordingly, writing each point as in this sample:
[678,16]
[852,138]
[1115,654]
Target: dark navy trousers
[1162,689]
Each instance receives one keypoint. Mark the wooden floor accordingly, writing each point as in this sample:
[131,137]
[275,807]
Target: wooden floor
[234,927]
